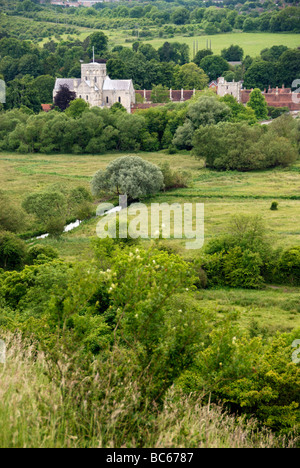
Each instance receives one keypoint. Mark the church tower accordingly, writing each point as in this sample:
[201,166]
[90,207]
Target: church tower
[93,73]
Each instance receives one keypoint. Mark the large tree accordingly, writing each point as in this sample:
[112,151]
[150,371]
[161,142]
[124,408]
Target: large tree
[214,66]
[99,41]
[200,55]
[234,53]
[23,92]
[180,15]
[128,175]
[289,67]
[190,76]
[258,103]
[174,52]
[64,97]
[260,74]
[44,85]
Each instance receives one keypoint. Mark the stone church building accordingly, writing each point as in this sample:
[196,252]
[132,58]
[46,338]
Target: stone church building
[96,88]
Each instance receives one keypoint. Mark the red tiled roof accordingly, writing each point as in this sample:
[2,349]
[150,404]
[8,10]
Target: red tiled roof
[46,107]
[275,97]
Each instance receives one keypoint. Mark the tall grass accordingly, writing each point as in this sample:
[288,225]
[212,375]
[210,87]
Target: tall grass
[36,412]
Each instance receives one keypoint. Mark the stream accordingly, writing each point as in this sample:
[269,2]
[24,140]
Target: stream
[75,224]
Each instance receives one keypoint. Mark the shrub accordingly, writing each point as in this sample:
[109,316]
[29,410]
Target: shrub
[274,206]
[55,226]
[275,112]
[39,252]
[11,217]
[174,179]
[249,377]
[242,269]
[45,205]
[12,251]
[160,94]
[289,266]
[235,268]
[241,257]
[238,146]
[201,277]
[85,211]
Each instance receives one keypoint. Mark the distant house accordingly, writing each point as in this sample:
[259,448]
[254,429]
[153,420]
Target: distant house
[46,107]
[213,84]
[97,89]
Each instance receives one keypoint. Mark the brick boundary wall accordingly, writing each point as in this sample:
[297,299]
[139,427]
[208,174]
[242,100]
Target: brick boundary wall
[275,97]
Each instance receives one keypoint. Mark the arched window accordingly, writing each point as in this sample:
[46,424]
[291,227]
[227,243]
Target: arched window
[119,99]
[106,99]
[87,98]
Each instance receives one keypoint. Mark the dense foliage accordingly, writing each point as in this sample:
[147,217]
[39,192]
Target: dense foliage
[220,130]
[128,175]
[139,306]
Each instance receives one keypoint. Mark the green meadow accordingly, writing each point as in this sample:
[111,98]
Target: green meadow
[224,194]
[252,43]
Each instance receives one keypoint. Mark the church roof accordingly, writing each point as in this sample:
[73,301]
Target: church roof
[116,85]
[65,82]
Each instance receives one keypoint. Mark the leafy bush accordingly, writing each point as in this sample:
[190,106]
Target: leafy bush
[274,206]
[275,112]
[241,257]
[12,251]
[289,266]
[238,146]
[37,253]
[45,205]
[249,377]
[85,211]
[11,217]
[55,226]
[235,268]
[174,178]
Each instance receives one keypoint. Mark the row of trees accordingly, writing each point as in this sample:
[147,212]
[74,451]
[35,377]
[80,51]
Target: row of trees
[208,18]
[209,125]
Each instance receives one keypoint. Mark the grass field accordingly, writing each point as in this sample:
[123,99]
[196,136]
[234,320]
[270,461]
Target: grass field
[224,194]
[252,43]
